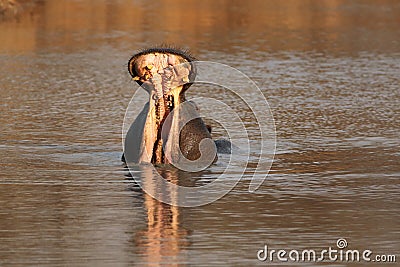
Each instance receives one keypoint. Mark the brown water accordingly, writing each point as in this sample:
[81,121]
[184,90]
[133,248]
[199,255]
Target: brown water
[329,69]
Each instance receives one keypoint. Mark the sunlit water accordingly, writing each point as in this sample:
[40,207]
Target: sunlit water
[331,74]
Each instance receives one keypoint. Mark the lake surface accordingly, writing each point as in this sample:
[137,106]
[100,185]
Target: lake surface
[330,71]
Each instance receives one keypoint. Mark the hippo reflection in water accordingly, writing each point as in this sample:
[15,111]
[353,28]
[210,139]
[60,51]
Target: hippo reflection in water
[169,128]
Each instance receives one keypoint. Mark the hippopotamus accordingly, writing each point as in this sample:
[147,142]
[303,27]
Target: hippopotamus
[169,129]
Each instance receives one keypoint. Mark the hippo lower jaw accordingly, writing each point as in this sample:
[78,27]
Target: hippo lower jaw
[158,126]
[171,129]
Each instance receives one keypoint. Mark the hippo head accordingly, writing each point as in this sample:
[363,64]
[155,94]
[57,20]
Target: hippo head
[160,70]
[158,138]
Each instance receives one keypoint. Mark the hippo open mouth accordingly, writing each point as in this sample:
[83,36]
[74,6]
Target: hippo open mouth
[157,136]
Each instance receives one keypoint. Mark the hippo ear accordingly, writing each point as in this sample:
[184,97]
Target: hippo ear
[192,75]
[131,66]
[131,69]
[193,71]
